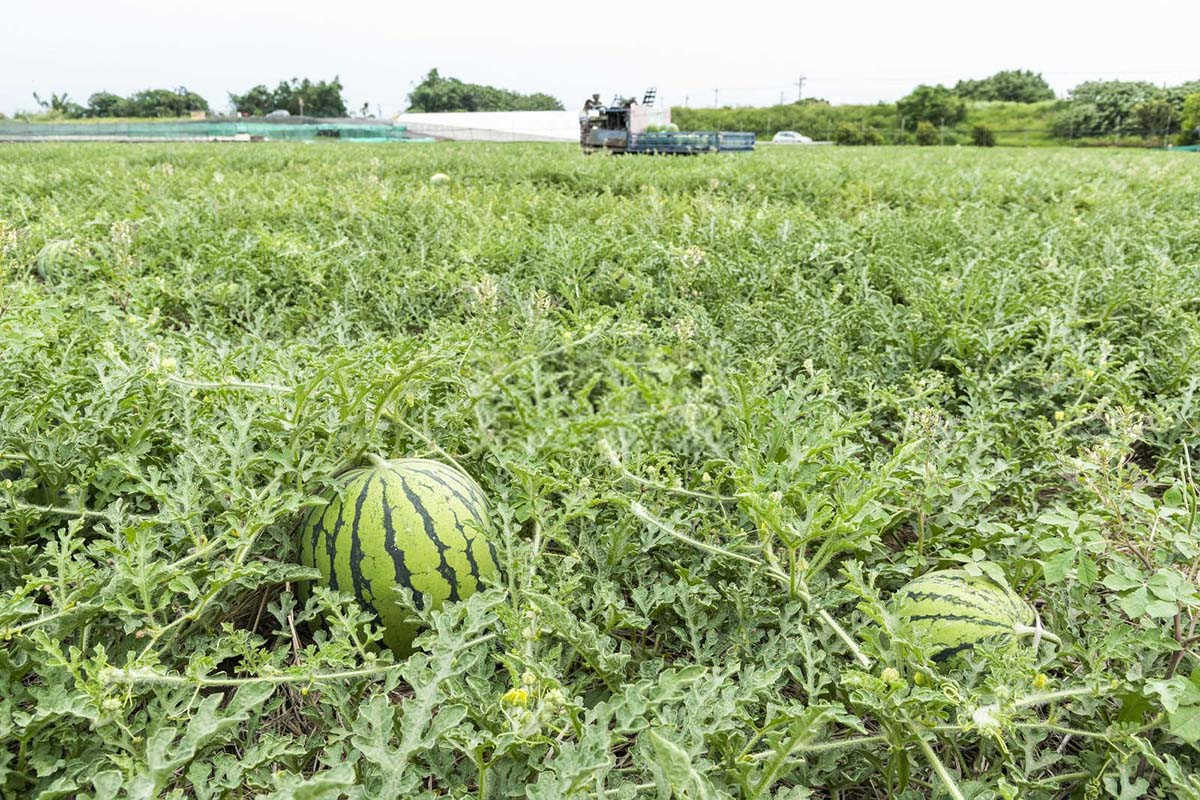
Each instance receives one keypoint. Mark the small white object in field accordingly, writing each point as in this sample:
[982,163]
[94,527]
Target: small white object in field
[439,177]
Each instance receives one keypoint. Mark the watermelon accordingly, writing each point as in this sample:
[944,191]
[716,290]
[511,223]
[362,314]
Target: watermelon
[950,610]
[411,523]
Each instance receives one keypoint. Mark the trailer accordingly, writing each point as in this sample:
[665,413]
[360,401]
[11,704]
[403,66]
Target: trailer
[627,126]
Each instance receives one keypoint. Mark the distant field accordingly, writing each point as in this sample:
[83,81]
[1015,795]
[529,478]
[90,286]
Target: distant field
[723,407]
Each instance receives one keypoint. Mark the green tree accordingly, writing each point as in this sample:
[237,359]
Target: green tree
[1013,85]
[165,103]
[1190,120]
[313,99]
[1156,117]
[934,104]
[107,104]
[435,93]
[1106,108]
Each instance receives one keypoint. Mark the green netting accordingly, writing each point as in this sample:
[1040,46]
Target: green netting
[202,130]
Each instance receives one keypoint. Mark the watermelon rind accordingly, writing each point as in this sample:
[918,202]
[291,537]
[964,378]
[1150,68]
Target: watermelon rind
[408,525]
[950,611]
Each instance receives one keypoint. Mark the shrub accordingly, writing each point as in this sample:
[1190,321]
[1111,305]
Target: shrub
[982,136]
[872,136]
[935,104]
[848,134]
[926,134]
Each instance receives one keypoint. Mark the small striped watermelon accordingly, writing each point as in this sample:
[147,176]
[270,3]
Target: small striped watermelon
[407,522]
[951,610]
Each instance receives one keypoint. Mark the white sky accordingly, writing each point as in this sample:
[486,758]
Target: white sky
[850,51]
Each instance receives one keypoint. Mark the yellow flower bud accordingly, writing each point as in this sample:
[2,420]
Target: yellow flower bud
[515,697]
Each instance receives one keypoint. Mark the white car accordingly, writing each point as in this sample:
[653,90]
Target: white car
[790,137]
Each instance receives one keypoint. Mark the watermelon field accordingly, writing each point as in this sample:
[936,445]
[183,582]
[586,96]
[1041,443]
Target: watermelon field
[722,410]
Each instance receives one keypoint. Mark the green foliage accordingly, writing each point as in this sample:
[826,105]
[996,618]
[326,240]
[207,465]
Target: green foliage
[1078,120]
[163,103]
[1123,108]
[724,408]
[1113,104]
[1190,120]
[60,106]
[1013,123]
[435,93]
[1155,117]
[927,134]
[819,120]
[147,103]
[982,136]
[934,104]
[107,104]
[848,134]
[1013,85]
[297,97]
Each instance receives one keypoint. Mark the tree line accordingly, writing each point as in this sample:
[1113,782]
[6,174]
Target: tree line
[297,96]
[938,114]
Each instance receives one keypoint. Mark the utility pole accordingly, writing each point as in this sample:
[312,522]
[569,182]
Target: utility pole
[781,98]
[686,98]
[800,88]
[716,98]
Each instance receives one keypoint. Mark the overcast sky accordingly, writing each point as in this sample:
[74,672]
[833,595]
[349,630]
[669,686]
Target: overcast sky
[753,53]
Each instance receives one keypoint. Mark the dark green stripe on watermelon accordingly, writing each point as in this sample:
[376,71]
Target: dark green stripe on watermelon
[474,505]
[362,585]
[951,611]
[986,623]
[331,543]
[403,576]
[959,600]
[443,567]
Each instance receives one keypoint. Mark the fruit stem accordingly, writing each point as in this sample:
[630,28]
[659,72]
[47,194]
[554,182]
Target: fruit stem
[1029,630]
[378,462]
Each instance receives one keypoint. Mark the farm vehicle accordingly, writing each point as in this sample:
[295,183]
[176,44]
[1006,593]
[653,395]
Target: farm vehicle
[627,126]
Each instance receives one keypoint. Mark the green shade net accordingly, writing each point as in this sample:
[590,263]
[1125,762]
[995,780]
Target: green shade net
[205,129]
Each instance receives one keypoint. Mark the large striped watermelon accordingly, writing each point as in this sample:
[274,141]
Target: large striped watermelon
[407,522]
[950,610]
